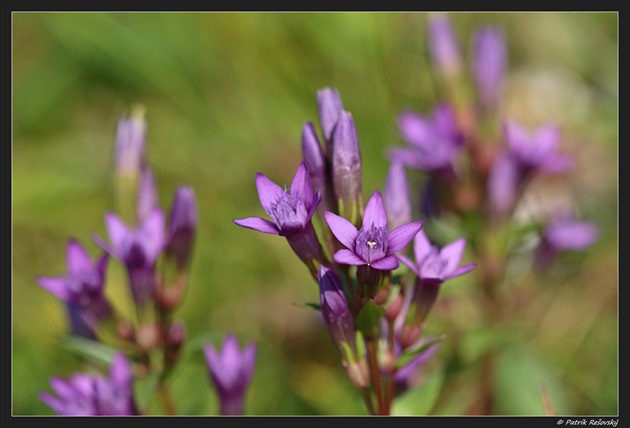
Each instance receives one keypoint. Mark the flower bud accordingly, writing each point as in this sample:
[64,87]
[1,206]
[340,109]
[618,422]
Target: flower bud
[443,45]
[329,106]
[489,63]
[396,197]
[182,227]
[346,169]
[130,144]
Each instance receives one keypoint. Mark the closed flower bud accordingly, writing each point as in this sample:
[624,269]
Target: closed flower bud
[182,227]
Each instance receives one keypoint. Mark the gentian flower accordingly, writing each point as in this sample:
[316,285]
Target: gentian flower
[92,395]
[138,249]
[410,375]
[231,372]
[443,44]
[396,196]
[372,245]
[81,288]
[182,226]
[564,233]
[432,267]
[527,153]
[340,323]
[433,141]
[346,168]
[330,107]
[291,212]
[489,64]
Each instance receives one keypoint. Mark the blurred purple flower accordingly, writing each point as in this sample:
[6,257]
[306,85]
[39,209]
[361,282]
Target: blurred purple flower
[432,267]
[489,64]
[91,395]
[536,150]
[564,233]
[81,288]
[231,372]
[182,226]
[372,245]
[410,375]
[433,141]
[138,249]
[130,145]
[503,184]
[291,212]
[396,197]
[443,44]
[334,308]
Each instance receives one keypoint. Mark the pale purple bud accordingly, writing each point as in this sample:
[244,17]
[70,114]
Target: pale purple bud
[335,310]
[130,145]
[489,64]
[346,167]
[443,44]
[329,106]
[314,157]
[182,226]
[396,197]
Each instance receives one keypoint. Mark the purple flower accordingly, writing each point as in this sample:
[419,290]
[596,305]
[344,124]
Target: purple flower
[329,106]
[291,212]
[564,233]
[410,374]
[536,150]
[138,249]
[182,226]
[433,266]
[433,141]
[489,64]
[231,372]
[443,44]
[396,197]
[346,167]
[91,395]
[81,287]
[130,145]
[334,308]
[372,245]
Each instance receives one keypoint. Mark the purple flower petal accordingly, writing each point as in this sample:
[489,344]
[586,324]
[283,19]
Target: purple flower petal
[451,254]
[516,136]
[56,286]
[402,235]
[556,163]
[268,191]
[259,224]
[120,370]
[502,184]
[572,235]
[116,229]
[153,234]
[461,270]
[547,138]
[343,230]
[386,263]
[421,246]
[411,265]
[301,185]
[347,257]
[317,198]
[415,129]
[53,402]
[78,259]
[375,212]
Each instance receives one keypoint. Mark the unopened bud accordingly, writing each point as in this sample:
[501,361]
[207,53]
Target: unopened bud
[148,336]
[358,372]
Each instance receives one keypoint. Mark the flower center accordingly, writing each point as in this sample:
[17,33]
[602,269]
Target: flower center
[371,244]
[288,212]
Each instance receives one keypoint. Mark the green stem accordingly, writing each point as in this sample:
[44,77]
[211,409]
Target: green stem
[376,376]
[166,399]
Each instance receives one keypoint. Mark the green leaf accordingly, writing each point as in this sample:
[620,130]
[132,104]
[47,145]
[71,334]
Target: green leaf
[368,319]
[408,356]
[315,306]
[95,352]
[418,401]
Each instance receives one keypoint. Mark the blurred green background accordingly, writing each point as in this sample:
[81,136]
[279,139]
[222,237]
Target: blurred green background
[226,96]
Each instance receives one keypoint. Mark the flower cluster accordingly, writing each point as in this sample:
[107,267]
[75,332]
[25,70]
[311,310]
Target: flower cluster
[155,251]
[361,245]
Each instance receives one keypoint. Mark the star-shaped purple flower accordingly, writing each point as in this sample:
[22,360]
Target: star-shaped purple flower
[82,286]
[433,141]
[91,395]
[291,212]
[372,245]
[231,372]
[537,149]
[137,248]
